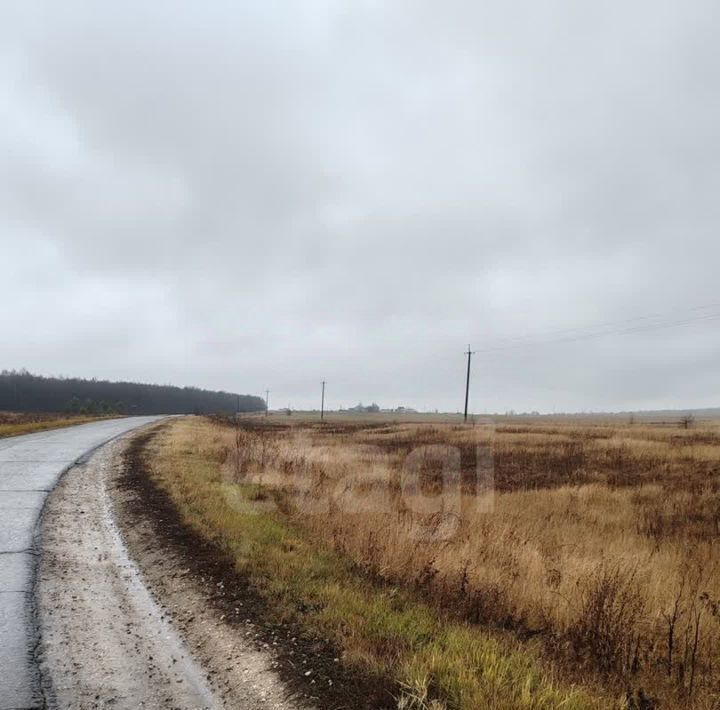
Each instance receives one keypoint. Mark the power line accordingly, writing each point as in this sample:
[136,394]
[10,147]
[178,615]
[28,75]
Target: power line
[579,329]
[638,324]
[599,331]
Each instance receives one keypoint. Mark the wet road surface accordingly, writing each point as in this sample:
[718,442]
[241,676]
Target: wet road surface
[30,466]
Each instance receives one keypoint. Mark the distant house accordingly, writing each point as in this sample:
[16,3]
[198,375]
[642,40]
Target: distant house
[360,408]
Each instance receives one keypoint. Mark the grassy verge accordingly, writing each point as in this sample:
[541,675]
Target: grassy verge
[16,424]
[430,659]
[600,539]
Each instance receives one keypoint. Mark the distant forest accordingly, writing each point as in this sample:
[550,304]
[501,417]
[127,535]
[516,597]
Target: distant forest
[25,392]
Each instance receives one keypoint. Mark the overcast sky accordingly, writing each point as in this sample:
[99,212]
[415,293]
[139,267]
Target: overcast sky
[241,195]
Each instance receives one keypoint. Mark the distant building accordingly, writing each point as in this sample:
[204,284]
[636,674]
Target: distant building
[360,408]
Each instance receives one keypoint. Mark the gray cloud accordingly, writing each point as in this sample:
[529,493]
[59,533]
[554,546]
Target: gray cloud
[268,194]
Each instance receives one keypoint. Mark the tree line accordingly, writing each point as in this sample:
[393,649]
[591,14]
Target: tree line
[21,391]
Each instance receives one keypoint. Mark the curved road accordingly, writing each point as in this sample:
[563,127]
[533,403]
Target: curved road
[30,466]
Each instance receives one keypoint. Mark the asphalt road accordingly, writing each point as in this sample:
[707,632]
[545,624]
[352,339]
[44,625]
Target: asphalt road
[30,466]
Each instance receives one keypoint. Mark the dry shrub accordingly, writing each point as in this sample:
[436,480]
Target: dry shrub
[684,514]
[608,628]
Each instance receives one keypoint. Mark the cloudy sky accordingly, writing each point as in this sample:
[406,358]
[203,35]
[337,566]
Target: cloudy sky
[242,195]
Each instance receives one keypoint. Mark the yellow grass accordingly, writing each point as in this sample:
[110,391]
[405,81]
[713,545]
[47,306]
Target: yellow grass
[317,569]
[602,540]
[16,424]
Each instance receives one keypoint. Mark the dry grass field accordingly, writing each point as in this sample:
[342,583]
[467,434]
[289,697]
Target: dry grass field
[16,423]
[596,555]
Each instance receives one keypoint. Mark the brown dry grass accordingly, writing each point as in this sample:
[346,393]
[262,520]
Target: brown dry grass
[16,423]
[602,539]
[411,651]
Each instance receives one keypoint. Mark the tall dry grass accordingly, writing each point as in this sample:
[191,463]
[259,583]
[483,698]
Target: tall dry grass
[603,540]
[17,423]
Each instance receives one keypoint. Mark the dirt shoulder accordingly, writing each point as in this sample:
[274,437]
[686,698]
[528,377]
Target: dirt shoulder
[124,622]
[216,609]
[103,639]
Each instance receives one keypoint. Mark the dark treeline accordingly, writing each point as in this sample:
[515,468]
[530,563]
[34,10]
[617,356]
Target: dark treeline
[24,392]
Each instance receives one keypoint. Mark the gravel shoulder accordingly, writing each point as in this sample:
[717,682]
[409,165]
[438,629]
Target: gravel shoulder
[133,629]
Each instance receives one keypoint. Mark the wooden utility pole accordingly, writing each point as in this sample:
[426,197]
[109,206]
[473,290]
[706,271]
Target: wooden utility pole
[322,402]
[267,402]
[469,354]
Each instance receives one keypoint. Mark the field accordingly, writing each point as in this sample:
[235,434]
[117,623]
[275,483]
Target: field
[523,564]
[14,424]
